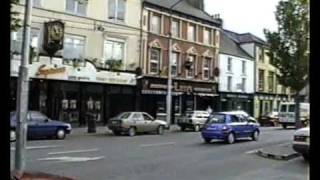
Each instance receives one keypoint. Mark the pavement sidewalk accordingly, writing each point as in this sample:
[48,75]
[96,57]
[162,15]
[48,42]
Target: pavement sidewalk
[279,152]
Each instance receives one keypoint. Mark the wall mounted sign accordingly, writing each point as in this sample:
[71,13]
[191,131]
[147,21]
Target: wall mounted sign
[53,37]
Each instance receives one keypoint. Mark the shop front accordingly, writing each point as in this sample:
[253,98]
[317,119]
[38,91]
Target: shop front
[62,92]
[265,103]
[236,101]
[186,96]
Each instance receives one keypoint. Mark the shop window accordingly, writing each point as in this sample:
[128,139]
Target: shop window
[174,64]
[271,81]
[154,60]
[155,24]
[117,9]
[175,28]
[161,107]
[76,7]
[74,47]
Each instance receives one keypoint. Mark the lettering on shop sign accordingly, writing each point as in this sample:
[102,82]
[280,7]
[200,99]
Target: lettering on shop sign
[46,72]
[75,78]
[237,96]
[112,80]
[181,88]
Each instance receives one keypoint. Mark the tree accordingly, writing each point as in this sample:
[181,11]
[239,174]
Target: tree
[15,22]
[289,49]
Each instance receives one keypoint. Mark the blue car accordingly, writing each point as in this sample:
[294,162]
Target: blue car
[229,126]
[39,126]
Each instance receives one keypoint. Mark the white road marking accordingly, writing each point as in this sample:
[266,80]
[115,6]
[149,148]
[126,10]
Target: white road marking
[72,159]
[253,151]
[74,151]
[37,147]
[158,144]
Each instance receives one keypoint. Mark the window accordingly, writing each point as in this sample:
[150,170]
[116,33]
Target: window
[192,32]
[37,116]
[261,80]
[190,73]
[147,117]
[283,90]
[292,108]
[156,24]
[114,50]
[261,54]
[154,60]
[229,83]
[271,81]
[16,40]
[207,36]
[234,119]
[36,3]
[174,64]
[243,67]
[175,28]
[243,84]
[137,116]
[74,6]
[73,47]
[229,64]
[206,66]
[117,9]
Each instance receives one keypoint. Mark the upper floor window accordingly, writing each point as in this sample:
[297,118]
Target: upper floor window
[114,50]
[261,80]
[271,81]
[207,38]
[243,67]
[243,85]
[229,85]
[76,7]
[73,47]
[191,70]
[154,60]
[191,32]
[175,28]
[229,67]
[16,40]
[206,67]
[36,3]
[174,64]
[156,24]
[117,9]
[261,54]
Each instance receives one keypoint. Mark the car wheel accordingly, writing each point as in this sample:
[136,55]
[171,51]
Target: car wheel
[117,133]
[60,134]
[207,141]
[196,128]
[160,130]
[305,157]
[255,136]
[132,131]
[230,138]
[284,126]
[12,135]
[183,128]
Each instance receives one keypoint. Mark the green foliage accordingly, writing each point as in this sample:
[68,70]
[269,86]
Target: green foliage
[114,64]
[289,45]
[15,22]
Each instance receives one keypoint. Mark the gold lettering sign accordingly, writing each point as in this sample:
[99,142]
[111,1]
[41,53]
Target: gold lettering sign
[45,72]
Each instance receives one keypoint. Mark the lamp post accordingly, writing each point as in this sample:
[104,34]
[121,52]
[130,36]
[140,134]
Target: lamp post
[169,85]
[23,92]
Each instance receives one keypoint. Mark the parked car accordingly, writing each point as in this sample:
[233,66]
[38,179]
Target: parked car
[193,119]
[229,126]
[39,126]
[269,119]
[301,142]
[136,122]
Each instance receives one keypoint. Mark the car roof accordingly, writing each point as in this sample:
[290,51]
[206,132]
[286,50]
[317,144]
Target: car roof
[234,112]
[198,111]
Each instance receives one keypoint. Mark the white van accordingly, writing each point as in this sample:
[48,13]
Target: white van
[287,113]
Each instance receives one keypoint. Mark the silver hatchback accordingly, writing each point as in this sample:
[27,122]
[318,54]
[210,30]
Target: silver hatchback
[136,122]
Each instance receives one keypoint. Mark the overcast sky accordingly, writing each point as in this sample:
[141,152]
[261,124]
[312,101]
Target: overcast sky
[244,16]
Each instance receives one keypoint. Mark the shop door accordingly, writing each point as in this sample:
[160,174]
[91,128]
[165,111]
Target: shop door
[70,102]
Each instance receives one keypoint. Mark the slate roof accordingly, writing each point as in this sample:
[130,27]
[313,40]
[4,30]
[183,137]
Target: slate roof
[245,38]
[231,47]
[184,8]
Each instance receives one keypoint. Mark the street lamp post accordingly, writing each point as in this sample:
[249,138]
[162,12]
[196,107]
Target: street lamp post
[169,85]
[23,92]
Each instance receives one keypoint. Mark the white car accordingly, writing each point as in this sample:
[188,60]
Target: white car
[193,119]
[243,113]
[301,142]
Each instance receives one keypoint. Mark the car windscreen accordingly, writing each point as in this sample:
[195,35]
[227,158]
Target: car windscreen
[283,108]
[216,119]
[123,115]
[291,108]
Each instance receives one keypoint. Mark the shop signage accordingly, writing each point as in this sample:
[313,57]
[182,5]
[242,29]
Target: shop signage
[42,71]
[240,96]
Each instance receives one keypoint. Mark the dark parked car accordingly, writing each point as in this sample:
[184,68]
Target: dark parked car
[39,126]
[269,119]
[229,126]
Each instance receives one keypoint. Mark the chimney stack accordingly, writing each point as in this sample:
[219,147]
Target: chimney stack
[199,4]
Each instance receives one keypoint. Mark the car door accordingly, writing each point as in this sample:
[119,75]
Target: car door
[31,127]
[151,125]
[248,127]
[42,124]
[237,125]
[139,122]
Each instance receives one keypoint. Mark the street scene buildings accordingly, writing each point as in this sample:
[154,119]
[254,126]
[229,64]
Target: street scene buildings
[101,69]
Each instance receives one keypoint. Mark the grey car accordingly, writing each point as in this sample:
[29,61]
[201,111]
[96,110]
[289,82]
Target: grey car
[136,122]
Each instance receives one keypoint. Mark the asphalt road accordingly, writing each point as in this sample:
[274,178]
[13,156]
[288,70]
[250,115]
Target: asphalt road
[173,156]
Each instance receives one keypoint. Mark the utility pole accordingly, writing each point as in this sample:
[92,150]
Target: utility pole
[169,85]
[23,92]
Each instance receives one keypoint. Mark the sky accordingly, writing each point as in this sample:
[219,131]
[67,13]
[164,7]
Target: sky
[244,16]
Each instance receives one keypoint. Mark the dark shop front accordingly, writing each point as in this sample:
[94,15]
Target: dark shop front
[236,101]
[186,96]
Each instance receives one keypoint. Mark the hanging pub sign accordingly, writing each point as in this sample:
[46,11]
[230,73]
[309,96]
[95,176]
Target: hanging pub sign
[53,37]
